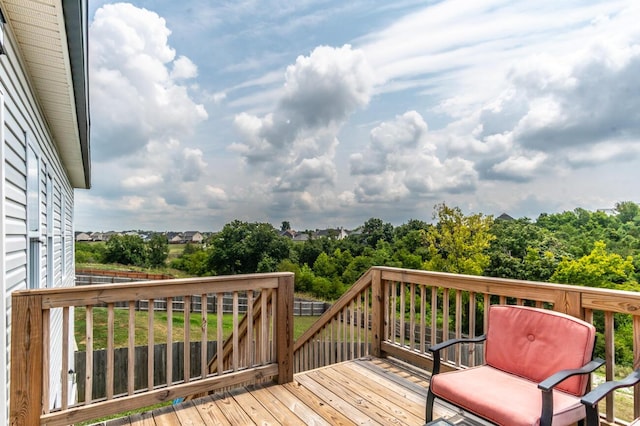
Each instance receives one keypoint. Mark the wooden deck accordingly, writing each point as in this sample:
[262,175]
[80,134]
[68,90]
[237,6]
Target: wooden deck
[368,391]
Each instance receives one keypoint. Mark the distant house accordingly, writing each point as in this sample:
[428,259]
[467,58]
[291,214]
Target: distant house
[302,236]
[336,233]
[174,238]
[192,237]
[289,233]
[83,237]
[504,216]
[44,117]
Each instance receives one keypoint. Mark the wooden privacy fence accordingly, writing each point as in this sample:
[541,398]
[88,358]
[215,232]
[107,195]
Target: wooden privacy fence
[400,313]
[267,353]
[140,357]
[90,274]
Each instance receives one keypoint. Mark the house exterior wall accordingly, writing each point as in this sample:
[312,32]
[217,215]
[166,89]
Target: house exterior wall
[36,243]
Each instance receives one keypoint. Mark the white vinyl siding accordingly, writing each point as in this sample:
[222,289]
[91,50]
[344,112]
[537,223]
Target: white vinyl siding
[22,124]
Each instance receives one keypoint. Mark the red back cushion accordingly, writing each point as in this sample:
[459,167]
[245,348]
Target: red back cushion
[536,343]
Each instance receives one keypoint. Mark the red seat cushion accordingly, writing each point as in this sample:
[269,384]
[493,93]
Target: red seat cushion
[503,398]
[536,343]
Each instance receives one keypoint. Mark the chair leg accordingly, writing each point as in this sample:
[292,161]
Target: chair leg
[593,417]
[430,400]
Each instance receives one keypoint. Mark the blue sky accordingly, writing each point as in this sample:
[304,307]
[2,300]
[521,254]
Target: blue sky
[328,113]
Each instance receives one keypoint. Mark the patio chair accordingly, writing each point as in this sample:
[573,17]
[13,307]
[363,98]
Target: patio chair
[591,399]
[536,369]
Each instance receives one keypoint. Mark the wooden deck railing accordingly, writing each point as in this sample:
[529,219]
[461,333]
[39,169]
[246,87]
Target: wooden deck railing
[400,313]
[265,355]
[387,312]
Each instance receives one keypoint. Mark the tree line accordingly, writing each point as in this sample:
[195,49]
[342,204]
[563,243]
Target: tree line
[575,247]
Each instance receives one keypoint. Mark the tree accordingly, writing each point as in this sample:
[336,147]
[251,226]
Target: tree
[522,250]
[375,230]
[158,250]
[285,225]
[90,252]
[243,247]
[192,261]
[324,266]
[598,269]
[126,250]
[458,243]
[627,211]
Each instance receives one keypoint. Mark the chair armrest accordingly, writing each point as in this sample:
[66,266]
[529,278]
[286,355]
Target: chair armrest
[550,382]
[592,398]
[553,380]
[435,349]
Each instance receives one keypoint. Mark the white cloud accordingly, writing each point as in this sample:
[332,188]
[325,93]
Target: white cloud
[295,143]
[520,167]
[138,182]
[183,68]
[400,162]
[193,165]
[135,80]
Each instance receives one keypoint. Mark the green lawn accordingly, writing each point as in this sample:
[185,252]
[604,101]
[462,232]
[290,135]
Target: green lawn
[121,327]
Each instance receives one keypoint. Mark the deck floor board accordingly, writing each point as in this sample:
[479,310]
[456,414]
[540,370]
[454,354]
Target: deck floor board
[366,391]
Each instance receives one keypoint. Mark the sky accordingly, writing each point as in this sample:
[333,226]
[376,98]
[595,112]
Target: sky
[327,113]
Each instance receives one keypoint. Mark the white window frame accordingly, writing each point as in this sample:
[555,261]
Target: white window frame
[34,203]
[50,241]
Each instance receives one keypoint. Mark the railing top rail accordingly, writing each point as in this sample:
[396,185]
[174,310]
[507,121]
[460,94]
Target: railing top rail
[621,301]
[111,293]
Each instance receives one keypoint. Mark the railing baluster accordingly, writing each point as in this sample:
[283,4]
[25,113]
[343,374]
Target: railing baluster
[400,314]
[203,339]
[445,320]
[264,327]
[352,329]
[251,353]
[88,382]
[46,360]
[472,328]
[434,315]
[412,318]
[150,343]
[186,361]
[235,332]
[609,343]
[359,324]
[423,314]
[110,349]
[393,312]
[220,338]
[458,326]
[170,341]
[367,328]
[65,358]
[131,347]
[636,364]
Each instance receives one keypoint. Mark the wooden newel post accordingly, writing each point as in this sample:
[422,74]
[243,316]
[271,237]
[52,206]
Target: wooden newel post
[377,313]
[26,360]
[284,329]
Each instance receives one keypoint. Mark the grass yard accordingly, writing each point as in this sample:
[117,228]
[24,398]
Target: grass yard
[175,251]
[160,328]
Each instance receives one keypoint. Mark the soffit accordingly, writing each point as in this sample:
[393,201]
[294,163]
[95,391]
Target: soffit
[39,29]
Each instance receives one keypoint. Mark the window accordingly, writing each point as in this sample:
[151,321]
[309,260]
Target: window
[50,225]
[33,216]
